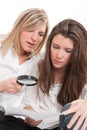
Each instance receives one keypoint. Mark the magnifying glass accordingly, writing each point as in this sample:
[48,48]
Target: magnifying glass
[27,80]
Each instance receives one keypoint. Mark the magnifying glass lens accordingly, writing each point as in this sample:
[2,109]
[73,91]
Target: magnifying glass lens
[27,80]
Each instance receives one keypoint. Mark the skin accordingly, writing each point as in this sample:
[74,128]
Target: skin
[61,50]
[29,40]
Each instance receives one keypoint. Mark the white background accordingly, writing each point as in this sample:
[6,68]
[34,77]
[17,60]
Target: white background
[57,10]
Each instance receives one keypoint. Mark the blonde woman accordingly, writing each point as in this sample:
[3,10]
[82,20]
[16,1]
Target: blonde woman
[23,42]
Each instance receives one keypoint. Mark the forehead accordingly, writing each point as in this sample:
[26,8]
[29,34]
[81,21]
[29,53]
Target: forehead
[42,27]
[63,41]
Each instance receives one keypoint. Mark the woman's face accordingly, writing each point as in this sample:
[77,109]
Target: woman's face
[61,50]
[32,39]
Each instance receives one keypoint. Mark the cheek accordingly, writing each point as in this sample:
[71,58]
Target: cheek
[67,59]
[22,35]
[38,43]
[39,40]
[53,56]
[21,40]
[52,52]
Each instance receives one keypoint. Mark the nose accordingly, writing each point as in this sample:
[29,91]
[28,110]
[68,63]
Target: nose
[34,36]
[59,54]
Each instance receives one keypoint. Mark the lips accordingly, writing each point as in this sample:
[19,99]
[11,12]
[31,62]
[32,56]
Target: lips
[30,44]
[57,62]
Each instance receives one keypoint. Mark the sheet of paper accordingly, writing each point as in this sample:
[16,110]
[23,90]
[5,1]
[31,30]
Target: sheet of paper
[49,120]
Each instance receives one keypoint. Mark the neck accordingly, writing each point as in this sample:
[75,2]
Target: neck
[58,76]
[22,58]
[22,55]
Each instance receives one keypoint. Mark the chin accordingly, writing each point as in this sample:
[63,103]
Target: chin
[28,50]
[57,67]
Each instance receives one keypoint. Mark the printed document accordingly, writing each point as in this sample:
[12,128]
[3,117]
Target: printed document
[49,120]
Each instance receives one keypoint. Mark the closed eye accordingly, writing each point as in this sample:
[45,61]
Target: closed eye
[55,46]
[68,50]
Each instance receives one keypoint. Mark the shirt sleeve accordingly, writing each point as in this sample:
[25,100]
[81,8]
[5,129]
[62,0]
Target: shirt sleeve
[84,93]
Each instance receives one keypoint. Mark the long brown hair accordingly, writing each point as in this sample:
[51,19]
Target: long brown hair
[76,72]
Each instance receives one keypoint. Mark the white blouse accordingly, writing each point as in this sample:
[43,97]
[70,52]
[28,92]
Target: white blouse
[41,102]
[10,67]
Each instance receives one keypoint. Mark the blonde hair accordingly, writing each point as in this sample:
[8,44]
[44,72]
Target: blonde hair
[28,20]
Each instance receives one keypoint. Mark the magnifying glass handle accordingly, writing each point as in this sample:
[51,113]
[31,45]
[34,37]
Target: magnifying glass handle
[23,87]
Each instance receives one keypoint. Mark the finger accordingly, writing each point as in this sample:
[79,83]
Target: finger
[74,119]
[17,86]
[35,123]
[29,108]
[32,122]
[12,89]
[29,119]
[84,126]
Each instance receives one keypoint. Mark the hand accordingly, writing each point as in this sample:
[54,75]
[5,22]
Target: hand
[29,108]
[29,120]
[79,107]
[10,86]
[32,122]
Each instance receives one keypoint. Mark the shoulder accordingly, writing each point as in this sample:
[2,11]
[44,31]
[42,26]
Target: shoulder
[2,36]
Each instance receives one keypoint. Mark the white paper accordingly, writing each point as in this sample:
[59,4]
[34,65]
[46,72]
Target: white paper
[49,120]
